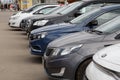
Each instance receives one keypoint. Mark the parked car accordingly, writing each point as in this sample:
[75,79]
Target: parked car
[25,22]
[29,9]
[67,57]
[105,65]
[40,38]
[28,22]
[70,12]
[15,21]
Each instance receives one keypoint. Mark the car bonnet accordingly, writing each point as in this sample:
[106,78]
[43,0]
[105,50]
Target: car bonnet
[42,16]
[52,27]
[80,37]
[109,57]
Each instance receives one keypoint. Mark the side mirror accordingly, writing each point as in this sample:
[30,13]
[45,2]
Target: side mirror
[77,14]
[92,24]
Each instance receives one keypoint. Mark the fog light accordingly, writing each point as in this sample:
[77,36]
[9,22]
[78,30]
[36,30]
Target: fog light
[60,73]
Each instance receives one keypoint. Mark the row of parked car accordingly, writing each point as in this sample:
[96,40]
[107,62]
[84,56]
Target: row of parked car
[68,36]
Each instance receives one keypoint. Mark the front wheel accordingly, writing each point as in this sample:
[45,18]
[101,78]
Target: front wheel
[80,73]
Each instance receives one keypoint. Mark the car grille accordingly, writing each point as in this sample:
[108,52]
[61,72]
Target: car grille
[49,51]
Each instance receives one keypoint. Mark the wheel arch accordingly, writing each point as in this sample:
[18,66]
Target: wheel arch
[80,63]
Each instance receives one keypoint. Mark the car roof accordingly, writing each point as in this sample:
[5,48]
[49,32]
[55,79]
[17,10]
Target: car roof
[106,1]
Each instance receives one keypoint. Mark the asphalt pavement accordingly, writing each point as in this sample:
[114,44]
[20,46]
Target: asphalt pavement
[16,63]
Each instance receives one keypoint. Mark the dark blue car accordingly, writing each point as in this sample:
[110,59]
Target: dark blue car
[40,38]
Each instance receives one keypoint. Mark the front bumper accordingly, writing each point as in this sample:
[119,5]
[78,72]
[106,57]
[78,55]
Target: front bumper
[14,23]
[63,67]
[93,72]
[37,47]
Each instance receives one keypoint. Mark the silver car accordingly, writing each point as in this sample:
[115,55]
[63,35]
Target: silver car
[68,56]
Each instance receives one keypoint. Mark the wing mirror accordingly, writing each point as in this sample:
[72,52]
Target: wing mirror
[92,24]
[77,14]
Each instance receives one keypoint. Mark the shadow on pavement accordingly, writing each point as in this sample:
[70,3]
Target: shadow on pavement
[37,60]
[24,33]
[14,29]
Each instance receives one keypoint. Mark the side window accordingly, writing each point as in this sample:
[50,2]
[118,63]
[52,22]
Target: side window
[103,18]
[87,9]
[90,7]
[107,17]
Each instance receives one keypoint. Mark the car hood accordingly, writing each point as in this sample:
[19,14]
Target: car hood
[109,57]
[21,15]
[73,38]
[42,16]
[54,27]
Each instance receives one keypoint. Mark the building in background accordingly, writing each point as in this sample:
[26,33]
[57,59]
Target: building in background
[24,4]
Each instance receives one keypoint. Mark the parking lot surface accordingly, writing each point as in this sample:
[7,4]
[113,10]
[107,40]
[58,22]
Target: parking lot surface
[16,63]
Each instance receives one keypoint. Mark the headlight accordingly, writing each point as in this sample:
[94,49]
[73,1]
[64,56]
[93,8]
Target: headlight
[40,23]
[66,50]
[38,35]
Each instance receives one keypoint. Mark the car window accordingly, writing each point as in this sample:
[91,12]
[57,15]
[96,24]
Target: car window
[100,19]
[107,17]
[61,9]
[43,11]
[71,7]
[52,10]
[90,7]
[34,8]
[110,27]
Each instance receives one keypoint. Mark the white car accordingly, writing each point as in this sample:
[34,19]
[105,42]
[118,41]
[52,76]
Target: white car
[29,9]
[105,65]
[15,20]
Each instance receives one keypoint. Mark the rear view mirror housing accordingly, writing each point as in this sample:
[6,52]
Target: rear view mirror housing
[92,24]
[77,14]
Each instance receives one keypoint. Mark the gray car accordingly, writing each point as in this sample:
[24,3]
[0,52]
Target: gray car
[90,20]
[69,12]
[68,56]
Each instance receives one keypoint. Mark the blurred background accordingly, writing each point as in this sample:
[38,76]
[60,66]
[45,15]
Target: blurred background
[24,4]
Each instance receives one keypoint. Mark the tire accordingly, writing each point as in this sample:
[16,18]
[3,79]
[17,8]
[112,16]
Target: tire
[80,73]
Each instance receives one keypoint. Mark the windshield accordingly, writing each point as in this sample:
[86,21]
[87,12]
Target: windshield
[52,10]
[110,27]
[60,9]
[70,7]
[85,10]
[33,8]
[82,17]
